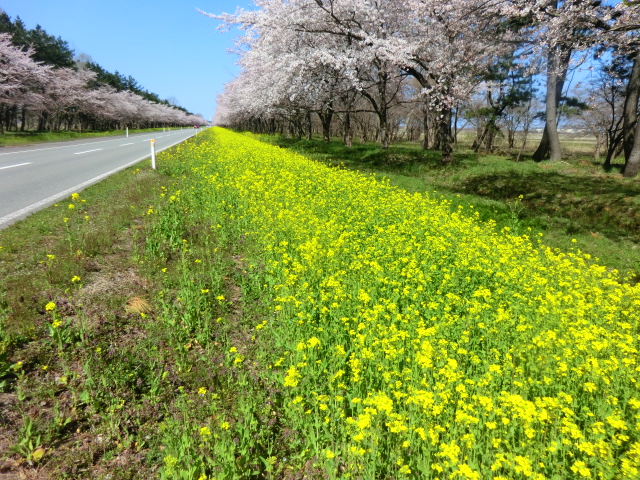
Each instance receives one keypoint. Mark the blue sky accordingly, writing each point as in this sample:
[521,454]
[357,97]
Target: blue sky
[166,45]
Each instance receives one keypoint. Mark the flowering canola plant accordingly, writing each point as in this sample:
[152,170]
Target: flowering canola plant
[413,341]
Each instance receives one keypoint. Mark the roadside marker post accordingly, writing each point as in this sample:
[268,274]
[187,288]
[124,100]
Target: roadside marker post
[153,154]
[127,129]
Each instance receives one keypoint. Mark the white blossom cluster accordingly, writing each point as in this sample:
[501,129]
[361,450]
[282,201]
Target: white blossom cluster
[307,54]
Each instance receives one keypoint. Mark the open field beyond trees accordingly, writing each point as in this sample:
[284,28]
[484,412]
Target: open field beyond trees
[248,312]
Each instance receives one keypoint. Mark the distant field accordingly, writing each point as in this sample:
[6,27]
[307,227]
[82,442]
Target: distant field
[572,143]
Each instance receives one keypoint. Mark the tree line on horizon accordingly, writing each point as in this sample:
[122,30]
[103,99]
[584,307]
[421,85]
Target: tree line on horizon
[418,69]
[44,86]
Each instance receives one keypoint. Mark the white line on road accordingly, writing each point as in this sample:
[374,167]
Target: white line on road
[63,146]
[125,144]
[18,165]
[12,217]
[88,151]
[51,148]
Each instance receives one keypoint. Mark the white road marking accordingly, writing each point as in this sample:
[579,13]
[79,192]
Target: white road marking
[12,217]
[18,165]
[125,144]
[112,139]
[53,148]
[88,151]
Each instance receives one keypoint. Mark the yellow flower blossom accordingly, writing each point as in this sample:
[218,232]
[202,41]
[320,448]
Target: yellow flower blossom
[438,333]
[292,378]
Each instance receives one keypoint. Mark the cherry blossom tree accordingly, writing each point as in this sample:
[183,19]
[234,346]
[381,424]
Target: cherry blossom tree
[21,78]
[369,47]
[64,92]
[326,57]
[315,53]
[445,46]
[64,97]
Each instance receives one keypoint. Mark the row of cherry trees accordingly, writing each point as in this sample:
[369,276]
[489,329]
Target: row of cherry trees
[55,98]
[418,64]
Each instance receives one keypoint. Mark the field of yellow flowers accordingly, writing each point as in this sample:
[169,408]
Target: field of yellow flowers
[407,340]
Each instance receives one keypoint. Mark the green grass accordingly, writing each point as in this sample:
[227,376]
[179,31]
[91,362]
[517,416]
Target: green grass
[83,393]
[104,343]
[566,201]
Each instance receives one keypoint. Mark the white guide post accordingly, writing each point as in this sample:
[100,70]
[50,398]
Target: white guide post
[127,130]
[153,154]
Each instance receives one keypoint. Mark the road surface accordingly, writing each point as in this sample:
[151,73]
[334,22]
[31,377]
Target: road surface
[36,176]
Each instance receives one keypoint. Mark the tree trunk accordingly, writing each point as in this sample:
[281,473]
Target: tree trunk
[384,130]
[487,136]
[7,118]
[347,135]
[597,150]
[382,111]
[543,148]
[511,138]
[42,123]
[632,166]
[524,141]
[297,124]
[23,119]
[325,119]
[364,133]
[491,137]
[425,126]
[612,144]
[14,118]
[630,114]
[309,126]
[444,135]
[557,67]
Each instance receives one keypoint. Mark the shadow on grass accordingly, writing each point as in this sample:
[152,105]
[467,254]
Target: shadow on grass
[369,155]
[584,203]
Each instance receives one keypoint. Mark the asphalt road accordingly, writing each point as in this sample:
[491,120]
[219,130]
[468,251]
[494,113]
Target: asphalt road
[34,177]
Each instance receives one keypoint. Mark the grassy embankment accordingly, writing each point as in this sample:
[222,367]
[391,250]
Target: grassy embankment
[10,139]
[243,312]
